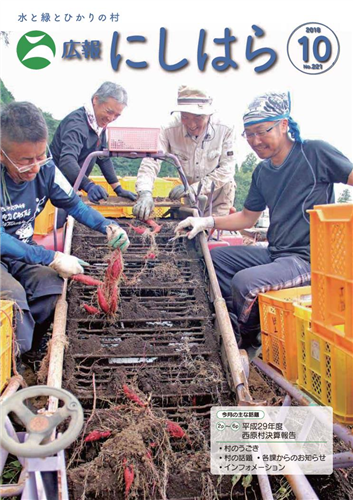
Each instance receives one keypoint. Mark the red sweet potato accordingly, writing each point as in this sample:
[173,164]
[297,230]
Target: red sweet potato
[91,309]
[113,306]
[102,301]
[96,435]
[138,230]
[128,477]
[175,430]
[132,396]
[156,227]
[150,256]
[114,270]
[87,280]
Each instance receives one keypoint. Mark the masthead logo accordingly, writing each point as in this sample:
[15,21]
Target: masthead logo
[36,49]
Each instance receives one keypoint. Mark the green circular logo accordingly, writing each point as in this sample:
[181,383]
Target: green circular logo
[36,49]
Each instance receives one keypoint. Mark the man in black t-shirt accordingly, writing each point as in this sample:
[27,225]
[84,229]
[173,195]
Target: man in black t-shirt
[294,176]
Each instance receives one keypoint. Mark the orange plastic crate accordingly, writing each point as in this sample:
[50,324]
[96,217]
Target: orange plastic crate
[44,223]
[6,314]
[133,139]
[279,346]
[331,235]
[324,370]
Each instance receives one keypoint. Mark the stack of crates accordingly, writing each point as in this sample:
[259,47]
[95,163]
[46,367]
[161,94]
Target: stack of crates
[6,315]
[325,336]
[161,189]
[278,330]
[108,210]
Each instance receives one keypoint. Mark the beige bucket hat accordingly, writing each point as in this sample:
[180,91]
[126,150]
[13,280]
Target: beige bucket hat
[193,100]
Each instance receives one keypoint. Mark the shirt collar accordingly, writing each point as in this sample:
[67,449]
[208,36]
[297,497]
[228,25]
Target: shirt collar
[91,118]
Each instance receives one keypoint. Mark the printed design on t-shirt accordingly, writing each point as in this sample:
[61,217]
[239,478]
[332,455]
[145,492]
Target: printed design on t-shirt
[26,230]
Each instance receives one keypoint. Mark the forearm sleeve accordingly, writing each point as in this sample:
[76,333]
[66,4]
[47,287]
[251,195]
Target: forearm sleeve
[89,217]
[18,250]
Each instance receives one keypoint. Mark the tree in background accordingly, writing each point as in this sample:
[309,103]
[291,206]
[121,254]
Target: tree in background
[4,35]
[6,97]
[345,196]
[129,167]
[243,179]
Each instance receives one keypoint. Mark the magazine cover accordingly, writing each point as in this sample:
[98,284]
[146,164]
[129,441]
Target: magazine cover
[149,355]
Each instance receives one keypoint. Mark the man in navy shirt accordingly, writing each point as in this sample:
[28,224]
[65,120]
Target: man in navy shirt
[30,274]
[84,131]
[294,176]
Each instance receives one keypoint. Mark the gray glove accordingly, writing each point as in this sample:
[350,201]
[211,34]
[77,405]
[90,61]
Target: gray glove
[144,205]
[177,192]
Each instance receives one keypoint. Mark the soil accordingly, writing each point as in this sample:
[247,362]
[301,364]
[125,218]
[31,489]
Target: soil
[162,345]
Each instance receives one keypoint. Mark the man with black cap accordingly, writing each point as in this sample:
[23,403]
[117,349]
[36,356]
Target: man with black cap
[294,176]
[205,147]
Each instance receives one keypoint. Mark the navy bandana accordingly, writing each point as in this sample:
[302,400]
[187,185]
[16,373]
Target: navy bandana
[269,107]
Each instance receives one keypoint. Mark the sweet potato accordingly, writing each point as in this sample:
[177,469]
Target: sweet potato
[150,256]
[138,230]
[96,435]
[86,280]
[175,430]
[156,227]
[132,396]
[102,301]
[113,306]
[91,309]
[128,477]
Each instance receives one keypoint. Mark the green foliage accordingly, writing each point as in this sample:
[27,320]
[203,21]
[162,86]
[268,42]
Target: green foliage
[249,163]
[345,196]
[243,179]
[5,95]
[129,167]
[52,125]
[11,472]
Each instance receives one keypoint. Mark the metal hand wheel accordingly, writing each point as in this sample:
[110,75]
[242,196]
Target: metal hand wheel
[38,426]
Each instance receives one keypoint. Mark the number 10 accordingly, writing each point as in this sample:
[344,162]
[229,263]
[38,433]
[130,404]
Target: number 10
[304,41]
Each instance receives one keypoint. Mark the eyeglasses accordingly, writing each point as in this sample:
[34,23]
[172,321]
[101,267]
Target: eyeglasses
[248,136]
[23,167]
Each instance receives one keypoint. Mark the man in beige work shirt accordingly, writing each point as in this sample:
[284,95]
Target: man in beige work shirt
[204,145]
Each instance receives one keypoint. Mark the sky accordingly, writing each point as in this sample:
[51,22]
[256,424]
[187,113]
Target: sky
[322,103]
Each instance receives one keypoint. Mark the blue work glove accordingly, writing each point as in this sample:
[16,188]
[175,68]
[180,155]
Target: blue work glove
[96,193]
[119,191]
[177,193]
[117,237]
[144,205]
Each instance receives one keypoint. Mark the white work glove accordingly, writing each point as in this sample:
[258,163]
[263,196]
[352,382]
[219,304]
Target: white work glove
[67,265]
[117,237]
[198,224]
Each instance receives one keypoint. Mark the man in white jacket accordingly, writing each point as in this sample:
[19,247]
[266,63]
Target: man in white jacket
[204,145]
